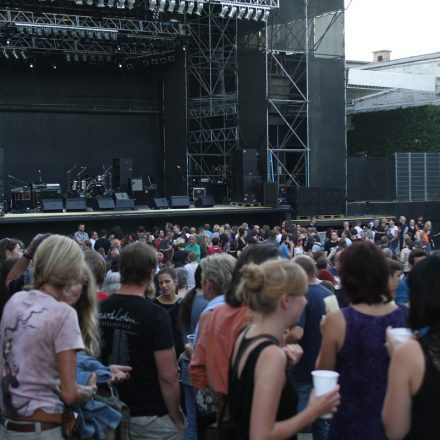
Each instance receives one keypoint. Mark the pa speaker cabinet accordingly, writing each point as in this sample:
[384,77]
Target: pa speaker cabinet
[122,201]
[244,162]
[179,202]
[76,204]
[159,203]
[270,193]
[247,189]
[52,205]
[309,201]
[205,202]
[122,173]
[102,203]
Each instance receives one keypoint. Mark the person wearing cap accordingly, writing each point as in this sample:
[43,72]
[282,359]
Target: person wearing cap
[180,257]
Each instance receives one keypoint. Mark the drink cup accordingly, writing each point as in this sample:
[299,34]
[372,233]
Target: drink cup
[323,382]
[401,334]
[191,338]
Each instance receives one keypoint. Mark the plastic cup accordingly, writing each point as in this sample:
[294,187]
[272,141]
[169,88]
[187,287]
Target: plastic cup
[401,334]
[323,382]
[191,338]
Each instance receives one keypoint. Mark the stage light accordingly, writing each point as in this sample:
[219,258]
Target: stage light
[190,7]
[90,2]
[265,16]
[120,65]
[199,9]
[23,55]
[241,13]
[181,9]
[130,4]
[15,54]
[232,12]
[78,2]
[152,5]
[162,4]
[100,4]
[110,3]
[225,9]
[171,5]
[54,67]
[120,4]
[258,13]
[5,54]
[8,41]
[68,58]
[249,13]
[31,65]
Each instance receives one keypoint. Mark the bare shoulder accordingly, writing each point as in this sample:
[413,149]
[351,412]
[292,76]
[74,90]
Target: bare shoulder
[274,357]
[409,353]
[334,322]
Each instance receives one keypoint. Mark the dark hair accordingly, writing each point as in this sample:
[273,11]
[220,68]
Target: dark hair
[7,244]
[364,274]
[168,271]
[137,262]
[214,241]
[321,262]
[416,253]
[394,266]
[103,233]
[424,293]
[5,294]
[184,316]
[96,264]
[115,263]
[253,254]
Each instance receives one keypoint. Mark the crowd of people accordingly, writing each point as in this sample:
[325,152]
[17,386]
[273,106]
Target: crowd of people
[188,326]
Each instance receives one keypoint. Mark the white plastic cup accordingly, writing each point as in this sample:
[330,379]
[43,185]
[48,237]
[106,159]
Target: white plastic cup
[324,381]
[401,334]
[191,338]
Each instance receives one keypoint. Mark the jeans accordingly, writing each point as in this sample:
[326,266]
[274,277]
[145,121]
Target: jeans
[191,413]
[50,434]
[319,427]
[155,428]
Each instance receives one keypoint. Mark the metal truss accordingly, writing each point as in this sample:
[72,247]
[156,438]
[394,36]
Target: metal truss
[261,4]
[212,96]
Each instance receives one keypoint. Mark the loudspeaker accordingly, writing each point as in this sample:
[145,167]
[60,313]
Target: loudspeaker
[101,203]
[270,193]
[77,204]
[247,189]
[179,202]
[333,200]
[204,202]
[52,205]
[122,173]
[159,203]
[136,184]
[308,201]
[244,162]
[122,201]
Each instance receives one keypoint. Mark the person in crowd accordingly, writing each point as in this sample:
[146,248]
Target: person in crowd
[262,399]
[10,248]
[241,239]
[170,301]
[233,249]
[166,246]
[202,241]
[112,280]
[182,282]
[298,248]
[153,392]
[411,232]
[180,256]
[40,335]
[102,242]
[393,236]
[307,334]
[190,310]
[410,410]
[403,230]
[396,270]
[404,254]
[215,248]
[81,235]
[332,243]
[402,289]
[353,343]
[97,267]
[93,238]
[286,247]
[193,246]
[379,229]
[191,268]
[428,231]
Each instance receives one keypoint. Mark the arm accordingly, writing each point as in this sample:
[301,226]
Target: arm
[197,366]
[17,270]
[396,414]
[294,335]
[333,335]
[169,383]
[269,382]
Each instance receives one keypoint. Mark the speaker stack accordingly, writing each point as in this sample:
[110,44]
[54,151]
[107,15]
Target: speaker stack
[246,181]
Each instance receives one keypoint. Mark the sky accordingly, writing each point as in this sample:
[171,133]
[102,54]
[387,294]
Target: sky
[406,27]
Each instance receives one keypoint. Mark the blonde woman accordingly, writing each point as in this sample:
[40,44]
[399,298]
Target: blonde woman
[262,400]
[39,339]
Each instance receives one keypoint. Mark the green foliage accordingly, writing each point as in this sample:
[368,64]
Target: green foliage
[382,133]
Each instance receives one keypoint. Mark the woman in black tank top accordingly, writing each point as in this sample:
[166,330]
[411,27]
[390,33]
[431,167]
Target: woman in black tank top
[262,401]
[412,402]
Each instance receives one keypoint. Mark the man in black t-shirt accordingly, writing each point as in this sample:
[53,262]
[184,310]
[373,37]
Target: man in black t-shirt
[102,242]
[332,243]
[136,332]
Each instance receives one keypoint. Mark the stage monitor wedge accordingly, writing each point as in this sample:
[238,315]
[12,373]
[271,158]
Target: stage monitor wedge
[122,201]
[179,202]
[159,203]
[205,202]
[76,204]
[52,205]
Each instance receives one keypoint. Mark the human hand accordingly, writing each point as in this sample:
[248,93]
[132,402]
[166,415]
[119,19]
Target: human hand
[324,404]
[120,373]
[86,392]
[391,342]
[293,353]
[189,350]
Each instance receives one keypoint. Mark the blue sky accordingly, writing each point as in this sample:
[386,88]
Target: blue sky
[406,27]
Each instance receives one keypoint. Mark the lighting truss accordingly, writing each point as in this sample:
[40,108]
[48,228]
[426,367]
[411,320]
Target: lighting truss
[190,8]
[181,8]
[171,5]
[261,4]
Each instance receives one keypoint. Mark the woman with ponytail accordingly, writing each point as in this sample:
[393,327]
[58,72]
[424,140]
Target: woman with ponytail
[262,401]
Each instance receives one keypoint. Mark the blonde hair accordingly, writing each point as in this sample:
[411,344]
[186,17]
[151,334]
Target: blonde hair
[87,313]
[262,286]
[59,262]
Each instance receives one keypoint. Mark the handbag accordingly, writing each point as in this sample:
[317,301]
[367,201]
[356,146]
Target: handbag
[208,402]
[224,428]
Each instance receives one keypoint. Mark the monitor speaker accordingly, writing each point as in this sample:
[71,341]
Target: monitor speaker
[52,205]
[122,201]
[179,202]
[103,203]
[76,204]
[270,196]
[204,202]
[159,203]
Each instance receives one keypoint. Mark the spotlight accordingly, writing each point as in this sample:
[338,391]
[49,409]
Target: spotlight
[106,35]
[90,2]
[120,65]
[249,13]
[225,9]
[114,36]
[146,63]
[190,7]
[199,7]
[15,54]
[23,55]
[258,13]
[100,4]
[5,54]
[232,12]
[130,4]
[181,8]
[78,2]
[162,4]
[82,34]
[54,67]
[110,3]
[171,5]
[38,31]
[152,5]
[241,13]
[31,65]
[8,41]
[266,16]
[121,4]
